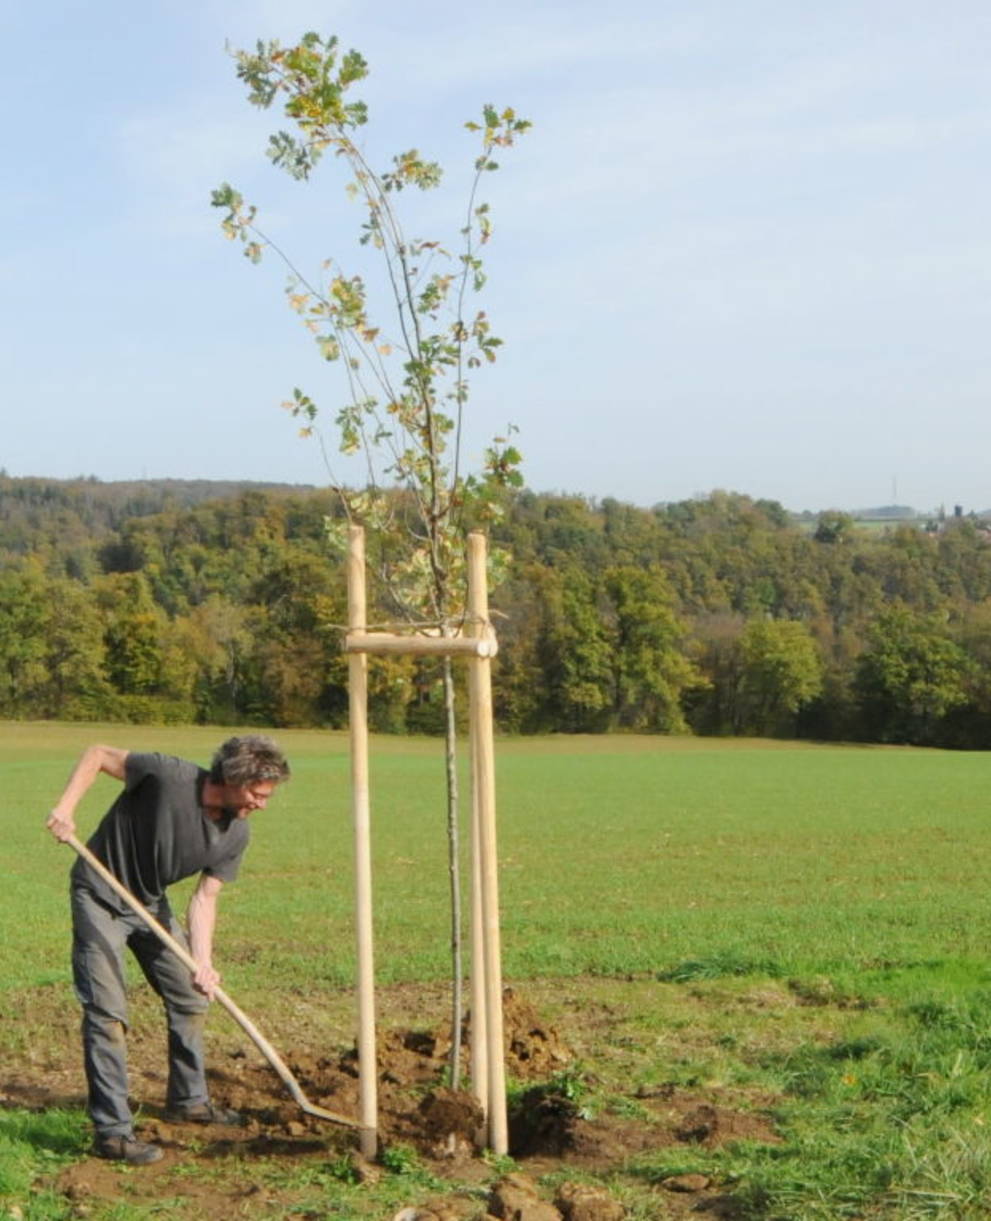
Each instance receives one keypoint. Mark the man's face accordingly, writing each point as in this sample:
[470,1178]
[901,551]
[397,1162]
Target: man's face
[240,800]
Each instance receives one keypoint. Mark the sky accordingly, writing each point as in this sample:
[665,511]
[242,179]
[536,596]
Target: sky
[746,244]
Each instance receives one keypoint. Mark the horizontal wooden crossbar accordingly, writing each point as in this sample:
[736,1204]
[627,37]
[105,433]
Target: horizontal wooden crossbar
[443,646]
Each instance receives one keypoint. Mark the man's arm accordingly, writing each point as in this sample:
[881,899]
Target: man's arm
[202,917]
[94,760]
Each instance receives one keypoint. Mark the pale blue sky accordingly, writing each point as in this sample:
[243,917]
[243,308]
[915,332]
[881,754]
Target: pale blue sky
[746,245]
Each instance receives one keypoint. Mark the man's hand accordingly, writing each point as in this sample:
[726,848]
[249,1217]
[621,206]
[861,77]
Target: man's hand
[61,825]
[206,980]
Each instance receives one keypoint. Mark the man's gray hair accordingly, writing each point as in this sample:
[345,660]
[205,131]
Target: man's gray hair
[247,760]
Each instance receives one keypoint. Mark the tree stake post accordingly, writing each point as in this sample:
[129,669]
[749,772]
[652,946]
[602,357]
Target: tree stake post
[361,816]
[479,646]
[484,841]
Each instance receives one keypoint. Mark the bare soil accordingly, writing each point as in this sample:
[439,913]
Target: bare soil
[549,1131]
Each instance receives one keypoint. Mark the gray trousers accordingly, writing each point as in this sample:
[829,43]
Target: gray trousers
[99,936]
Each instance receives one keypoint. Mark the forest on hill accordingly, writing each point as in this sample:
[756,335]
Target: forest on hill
[169,601]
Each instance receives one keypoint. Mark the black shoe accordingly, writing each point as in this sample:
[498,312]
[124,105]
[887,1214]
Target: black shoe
[126,1149]
[205,1112]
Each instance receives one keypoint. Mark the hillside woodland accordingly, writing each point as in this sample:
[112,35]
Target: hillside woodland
[177,602]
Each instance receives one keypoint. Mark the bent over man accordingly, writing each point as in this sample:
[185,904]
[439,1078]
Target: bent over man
[172,819]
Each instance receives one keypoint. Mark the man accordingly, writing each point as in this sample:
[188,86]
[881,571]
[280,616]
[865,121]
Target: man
[173,819]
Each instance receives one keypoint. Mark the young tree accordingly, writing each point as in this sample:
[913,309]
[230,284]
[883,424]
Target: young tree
[406,382]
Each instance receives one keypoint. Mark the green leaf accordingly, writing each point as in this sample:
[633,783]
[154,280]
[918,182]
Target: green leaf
[329,347]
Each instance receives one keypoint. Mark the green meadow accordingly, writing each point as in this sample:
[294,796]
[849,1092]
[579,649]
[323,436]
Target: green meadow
[672,879]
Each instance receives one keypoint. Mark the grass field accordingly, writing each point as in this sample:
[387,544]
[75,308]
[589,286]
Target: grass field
[809,924]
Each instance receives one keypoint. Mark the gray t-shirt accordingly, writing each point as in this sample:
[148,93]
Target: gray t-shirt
[156,833]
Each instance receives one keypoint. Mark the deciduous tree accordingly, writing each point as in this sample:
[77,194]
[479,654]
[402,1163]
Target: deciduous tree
[909,677]
[781,671]
[405,378]
[650,670]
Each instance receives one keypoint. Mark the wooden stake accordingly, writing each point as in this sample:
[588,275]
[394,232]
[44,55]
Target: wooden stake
[358,702]
[386,642]
[483,734]
[479,1025]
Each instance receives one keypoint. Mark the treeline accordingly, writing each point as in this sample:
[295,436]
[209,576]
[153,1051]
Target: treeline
[715,616]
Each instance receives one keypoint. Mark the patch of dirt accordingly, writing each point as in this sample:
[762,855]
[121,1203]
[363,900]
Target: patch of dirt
[548,1130]
[545,1124]
[95,1181]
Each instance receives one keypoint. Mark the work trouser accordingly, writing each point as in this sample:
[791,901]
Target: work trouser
[99,937]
